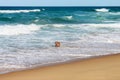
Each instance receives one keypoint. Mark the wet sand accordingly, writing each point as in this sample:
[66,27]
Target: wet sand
[99,68]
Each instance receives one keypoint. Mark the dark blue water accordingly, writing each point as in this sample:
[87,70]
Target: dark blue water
[28,34]
[56,15]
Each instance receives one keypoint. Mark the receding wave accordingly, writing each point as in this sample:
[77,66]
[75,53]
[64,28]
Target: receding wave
[18,29]
[19,11]
[102,10]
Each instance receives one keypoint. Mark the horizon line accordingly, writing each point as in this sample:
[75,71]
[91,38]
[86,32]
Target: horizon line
[59,6]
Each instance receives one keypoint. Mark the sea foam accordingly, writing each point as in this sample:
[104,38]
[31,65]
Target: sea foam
[114,25]
[87,40]
[19,11]
[18,29]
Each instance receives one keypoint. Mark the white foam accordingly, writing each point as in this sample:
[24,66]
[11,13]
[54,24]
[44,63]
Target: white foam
[102,10]
[69,17]
[19,11]
[36,20]
[77,55]
[12,66]
[111,21]
[114,25]
[58,25]
[114,13]
[84,45]
[18,29]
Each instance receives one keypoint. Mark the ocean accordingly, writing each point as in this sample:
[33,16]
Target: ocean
[28,35]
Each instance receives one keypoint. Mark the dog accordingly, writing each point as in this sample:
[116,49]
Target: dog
[57,44]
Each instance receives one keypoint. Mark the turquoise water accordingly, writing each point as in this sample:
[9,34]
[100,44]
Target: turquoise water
[58,15]
[27,34]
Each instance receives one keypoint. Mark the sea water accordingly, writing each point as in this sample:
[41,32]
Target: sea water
[28,34]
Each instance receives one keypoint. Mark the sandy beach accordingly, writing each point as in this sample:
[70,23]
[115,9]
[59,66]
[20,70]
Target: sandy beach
[100,68]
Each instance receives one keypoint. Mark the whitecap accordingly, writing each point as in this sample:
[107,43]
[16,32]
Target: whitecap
[102,10]
[19,11]
[68,17]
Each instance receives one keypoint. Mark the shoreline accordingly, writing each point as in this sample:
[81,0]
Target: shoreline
[107,65]
[59,63]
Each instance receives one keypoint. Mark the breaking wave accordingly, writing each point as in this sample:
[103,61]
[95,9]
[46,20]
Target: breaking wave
[19,11]
[102,10]
[18,29]
[68,17]
[28,29]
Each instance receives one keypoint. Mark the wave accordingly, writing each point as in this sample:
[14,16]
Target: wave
[112,25]
[36,20]
[5,18]
[63,19]
[18,29]
[111,21]
[19,11]
[109,25]
[102,10]
[114,13]
[68,17]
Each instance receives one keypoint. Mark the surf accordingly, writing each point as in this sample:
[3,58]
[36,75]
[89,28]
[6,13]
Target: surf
[102,10]
[18,29]
[19,11]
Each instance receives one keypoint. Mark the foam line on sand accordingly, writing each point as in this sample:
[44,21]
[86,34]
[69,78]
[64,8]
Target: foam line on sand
[100,68]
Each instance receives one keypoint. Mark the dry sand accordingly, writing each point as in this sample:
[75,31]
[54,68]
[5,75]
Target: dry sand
[100,68]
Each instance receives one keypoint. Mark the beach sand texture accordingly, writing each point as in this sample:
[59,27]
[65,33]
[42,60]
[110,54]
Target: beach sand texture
[100,68]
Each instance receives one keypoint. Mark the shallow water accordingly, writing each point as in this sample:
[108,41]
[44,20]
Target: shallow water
[27,35]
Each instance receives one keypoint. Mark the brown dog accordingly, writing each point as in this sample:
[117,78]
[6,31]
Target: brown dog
[57,44]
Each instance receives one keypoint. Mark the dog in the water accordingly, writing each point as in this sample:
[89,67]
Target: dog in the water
[57,44]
